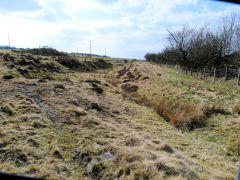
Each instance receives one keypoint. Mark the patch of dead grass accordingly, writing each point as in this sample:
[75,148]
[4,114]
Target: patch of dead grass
[237,109]
[113,80]
[180,114]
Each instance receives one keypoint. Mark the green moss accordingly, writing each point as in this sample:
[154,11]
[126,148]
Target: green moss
[212,139]
[66,141]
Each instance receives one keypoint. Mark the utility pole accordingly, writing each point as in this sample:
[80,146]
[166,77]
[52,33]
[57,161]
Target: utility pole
[90,48]
[105,53]
[8,41]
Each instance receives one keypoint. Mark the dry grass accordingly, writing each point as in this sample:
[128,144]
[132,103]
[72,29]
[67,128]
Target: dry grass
[237,109]
[143,146]
[113,80]
[134,164]
[214,108]
[183,115]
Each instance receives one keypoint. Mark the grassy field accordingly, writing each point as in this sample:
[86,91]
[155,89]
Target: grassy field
[129,120]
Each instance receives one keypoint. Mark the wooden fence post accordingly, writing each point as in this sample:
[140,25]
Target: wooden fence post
[214,75]
[197,72]
[238,76]
[186,71]
[191,71]
[226,72]
[204,71]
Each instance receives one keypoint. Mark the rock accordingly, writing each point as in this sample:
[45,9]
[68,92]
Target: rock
[24,119]
[146,77]
[211,89]
[8,57]
[38,125]
[96,106]
[35,117]
[130,75]
[7,110]
[22,157]
[32,142]
[79,111]
[91,164]
[167,148]
[93,81]
[121,72]
[4,144]
[96,88]
[42,80]
[126,80]
[57,154]
[97,146]
[107,156]
[115,112]
[7,77]
[59,86]
[129,88]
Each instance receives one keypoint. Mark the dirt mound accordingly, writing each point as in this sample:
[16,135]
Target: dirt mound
[29,66]
[83,66]
[8,57]
[131,73]
[72,63]
[41,51]
[129,88]
[96,88]
[7,77]
[121,72]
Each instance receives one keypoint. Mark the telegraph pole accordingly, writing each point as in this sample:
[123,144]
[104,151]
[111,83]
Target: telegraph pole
[8,41]
[90,48]
[105,53]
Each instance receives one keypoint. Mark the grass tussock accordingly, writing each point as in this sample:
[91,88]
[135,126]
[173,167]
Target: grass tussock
[215,108]
[113,80]
[181,114]
[237,109]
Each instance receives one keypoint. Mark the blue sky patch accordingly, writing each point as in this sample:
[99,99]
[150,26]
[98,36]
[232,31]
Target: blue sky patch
[126,28]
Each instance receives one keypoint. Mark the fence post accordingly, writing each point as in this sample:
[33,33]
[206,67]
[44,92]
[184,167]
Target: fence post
[238,76]
[186,71]
[204,71]
[214,75]
[226,71]
[197,72]
[191,71]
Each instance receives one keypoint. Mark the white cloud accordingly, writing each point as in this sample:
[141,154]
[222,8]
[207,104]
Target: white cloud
[129,28]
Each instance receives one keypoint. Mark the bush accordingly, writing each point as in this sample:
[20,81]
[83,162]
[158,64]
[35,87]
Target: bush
[41,51]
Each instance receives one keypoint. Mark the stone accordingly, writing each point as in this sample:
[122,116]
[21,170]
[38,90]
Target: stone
[91,164]
[107,156]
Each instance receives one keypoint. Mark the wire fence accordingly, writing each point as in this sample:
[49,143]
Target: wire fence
[227,73]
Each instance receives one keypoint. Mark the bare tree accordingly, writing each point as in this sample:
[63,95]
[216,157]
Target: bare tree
[197,50]
[225,38]
[203,47]
[180,40]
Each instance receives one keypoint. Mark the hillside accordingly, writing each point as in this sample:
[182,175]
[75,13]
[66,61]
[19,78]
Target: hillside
[75,117]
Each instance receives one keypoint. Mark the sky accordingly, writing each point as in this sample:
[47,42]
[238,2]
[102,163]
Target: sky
[124,28]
